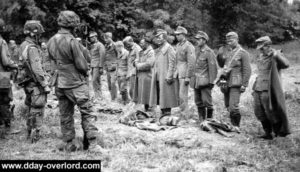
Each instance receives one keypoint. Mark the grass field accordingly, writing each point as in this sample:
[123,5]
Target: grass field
[185,148]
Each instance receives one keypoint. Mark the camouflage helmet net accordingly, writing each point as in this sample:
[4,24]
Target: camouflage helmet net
[68,19]
[33,26]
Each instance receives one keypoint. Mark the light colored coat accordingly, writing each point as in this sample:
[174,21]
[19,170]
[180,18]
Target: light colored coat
[164,68]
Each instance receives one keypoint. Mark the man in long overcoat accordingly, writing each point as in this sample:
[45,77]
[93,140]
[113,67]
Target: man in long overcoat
[163,83]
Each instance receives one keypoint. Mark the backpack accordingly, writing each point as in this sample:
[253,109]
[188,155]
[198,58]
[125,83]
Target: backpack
[24,74]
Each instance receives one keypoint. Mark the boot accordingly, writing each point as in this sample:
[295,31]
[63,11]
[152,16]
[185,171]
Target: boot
[94,147]
[235,119]
[86,143]
[202,113]
[28,134]
[268,130]
[164,118]
[35,135]
[146,107]
[125,98]
[66,146]
[210,113]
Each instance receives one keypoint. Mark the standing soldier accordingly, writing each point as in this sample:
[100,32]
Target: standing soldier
[235,75]
[71,86]
[269,102]
[6,65]
[34,82]
[185,56]
[122,69]
[205,75]
[144,66]
[163,83]
[97,54]
[110,64]
[45,58]
[134,50]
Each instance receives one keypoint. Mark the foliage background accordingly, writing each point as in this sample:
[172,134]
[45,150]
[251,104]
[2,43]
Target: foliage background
[250,18]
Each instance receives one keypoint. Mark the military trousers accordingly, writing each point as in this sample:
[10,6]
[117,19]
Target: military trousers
[183,96]
[203,98]
[132,81]
[36,100]
[122,83]
[261,107]
[96,80]
[112,84]
[68,98]
[5,113]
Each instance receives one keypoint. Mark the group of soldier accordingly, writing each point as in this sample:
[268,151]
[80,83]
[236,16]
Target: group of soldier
[151,72]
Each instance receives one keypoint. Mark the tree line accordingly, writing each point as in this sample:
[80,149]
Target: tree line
[250,18]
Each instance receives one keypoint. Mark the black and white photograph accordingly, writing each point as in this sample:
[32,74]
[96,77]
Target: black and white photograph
[150,85]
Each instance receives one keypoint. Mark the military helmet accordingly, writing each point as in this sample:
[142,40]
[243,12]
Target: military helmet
[68,19]
[33,26]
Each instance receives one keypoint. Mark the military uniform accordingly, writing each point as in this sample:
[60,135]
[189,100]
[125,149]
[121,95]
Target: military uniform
[185,55]
[236,63]
[133,55]
[46,61]
[262,87]
[144,72]
[122,70]
[97,57]
[202,82]
[110,63]
[71,85]
[36,98]
[5,88]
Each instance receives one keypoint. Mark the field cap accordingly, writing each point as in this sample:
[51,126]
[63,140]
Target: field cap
[201,34]
[263,41]
[180,30]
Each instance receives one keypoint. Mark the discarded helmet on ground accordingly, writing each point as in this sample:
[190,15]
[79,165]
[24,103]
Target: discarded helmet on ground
[68,19]
[33,26]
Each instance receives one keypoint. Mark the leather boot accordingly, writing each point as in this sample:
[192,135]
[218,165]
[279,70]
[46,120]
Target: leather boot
[86,143]
[202,113]
[235,119]
[268,130]
[124,96]
[164,118]
[146,107]
[35,135]
[210,113]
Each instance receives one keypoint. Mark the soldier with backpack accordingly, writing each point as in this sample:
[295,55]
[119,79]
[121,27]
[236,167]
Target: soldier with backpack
[71,86]
[32,78]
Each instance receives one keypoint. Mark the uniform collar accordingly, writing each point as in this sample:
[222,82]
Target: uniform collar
[182,42]
[30,40]
[149,48]
[164,48]
[236,48]
[64,31]
[122,53]
[204,48]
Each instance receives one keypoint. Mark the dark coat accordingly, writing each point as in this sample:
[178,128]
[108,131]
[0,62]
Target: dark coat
[277,98]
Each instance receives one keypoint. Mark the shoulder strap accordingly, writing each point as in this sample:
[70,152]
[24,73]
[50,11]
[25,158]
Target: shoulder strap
[233,57]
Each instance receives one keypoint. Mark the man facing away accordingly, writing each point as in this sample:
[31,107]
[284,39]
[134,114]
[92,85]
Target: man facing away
[71,86]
